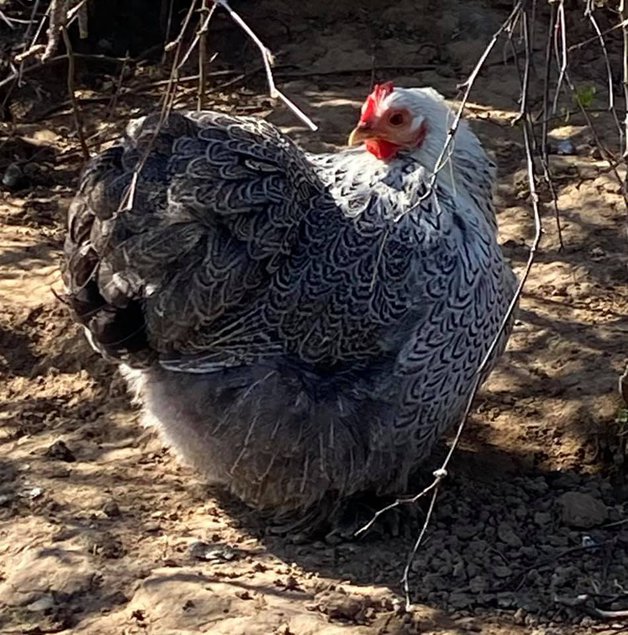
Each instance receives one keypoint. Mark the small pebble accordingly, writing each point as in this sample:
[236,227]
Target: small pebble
[502,571]
[565,147]
[582,510]
[212,553]
[14,178]
[5,499]
[466,531]
[35,492]
[44,603]
[519,617]
[111,509]
[478,584]
[507,535]
[60,451]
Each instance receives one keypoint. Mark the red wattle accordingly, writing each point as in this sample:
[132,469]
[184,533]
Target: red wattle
[381,149]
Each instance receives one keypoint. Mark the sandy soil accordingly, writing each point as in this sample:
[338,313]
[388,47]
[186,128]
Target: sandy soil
[103,531]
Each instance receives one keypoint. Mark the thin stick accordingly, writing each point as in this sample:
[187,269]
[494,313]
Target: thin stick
[127,200]
[538,232]
[32,21]
[76,10]
[268,60]
[623,11]
[201,31]
[58,17]
[56,23]
[168,28]
[9,21]
[34,48]
[524,110]
[546,80]
[443,157]
[560,27]
[178,40]
[584,43]
[609,70]
[117,88]
[603,150]
[205,14]
[441,473]
[83,21]
[76,112]
[400,501]
[544,154]
[406,571]
[173,79]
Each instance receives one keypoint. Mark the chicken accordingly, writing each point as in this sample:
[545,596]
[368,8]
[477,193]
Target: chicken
[301,328]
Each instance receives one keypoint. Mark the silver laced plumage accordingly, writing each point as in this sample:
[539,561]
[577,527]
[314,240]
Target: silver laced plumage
[300,327]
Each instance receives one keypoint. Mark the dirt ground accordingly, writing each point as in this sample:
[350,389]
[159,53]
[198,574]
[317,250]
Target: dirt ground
[102,530]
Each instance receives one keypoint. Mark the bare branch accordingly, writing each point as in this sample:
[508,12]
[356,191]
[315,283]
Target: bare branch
[76,112]
[613,164]
[428,516]
[445,153]
[126,203]
[560,47]
[32,20]
[268,60]
[56,22]
[623,10]
[206,15]
[547,174]
[83,21]
[441,473]
[609,71]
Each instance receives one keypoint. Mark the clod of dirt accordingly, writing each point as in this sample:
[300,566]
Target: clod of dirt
[542,518]
[14,178]
[339,605]
[565,147]
[582,510]
[60,451]
[44,603]
[6,499]
[506,534]
[460,600]
[35,492]
[111,509]
[106,546]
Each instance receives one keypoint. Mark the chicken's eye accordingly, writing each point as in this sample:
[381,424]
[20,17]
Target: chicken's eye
[396,119]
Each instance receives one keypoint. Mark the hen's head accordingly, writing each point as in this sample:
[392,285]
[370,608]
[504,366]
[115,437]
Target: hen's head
[413,120]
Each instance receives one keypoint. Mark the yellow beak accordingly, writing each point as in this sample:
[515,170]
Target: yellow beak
[360,134]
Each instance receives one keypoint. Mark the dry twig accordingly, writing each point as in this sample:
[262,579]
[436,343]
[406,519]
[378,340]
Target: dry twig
[441,473]
[556,50]
[268,59]
[445,154]
[56,24]
[78,123]
[206,15]
[623,11]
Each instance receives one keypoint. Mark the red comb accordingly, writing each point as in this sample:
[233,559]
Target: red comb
[381,91]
